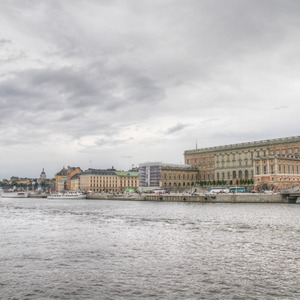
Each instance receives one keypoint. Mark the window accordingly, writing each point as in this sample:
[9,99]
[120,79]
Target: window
[265,169]
[296,150]
[277,151]
[290,150]
[257,170]
[271,152]
[283,151]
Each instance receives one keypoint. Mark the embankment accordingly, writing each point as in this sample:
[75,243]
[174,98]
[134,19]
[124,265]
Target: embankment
[220,198]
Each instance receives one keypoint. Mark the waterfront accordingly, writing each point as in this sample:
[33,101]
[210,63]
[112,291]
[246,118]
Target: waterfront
[89,249]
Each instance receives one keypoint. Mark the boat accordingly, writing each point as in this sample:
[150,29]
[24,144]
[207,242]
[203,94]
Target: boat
[68,195]
[14,195]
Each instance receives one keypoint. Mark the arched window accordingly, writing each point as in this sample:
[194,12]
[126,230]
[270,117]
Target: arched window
[234,174]
[240,174]
[246,174]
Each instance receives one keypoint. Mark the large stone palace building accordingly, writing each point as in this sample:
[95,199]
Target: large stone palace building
[269,163]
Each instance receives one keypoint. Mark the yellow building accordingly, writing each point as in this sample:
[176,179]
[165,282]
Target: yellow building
[75,183]
[63,178]
[60,180]
[127,180]
[109,180]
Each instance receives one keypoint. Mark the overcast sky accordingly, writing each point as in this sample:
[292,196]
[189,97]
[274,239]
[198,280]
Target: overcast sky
[103,83]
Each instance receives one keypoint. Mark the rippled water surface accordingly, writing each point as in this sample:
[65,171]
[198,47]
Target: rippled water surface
[89,249]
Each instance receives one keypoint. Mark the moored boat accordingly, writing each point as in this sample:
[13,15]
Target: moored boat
[68,195]
[14,195]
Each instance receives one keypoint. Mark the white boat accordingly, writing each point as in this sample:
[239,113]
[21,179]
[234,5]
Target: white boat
[68,195]
[14,195]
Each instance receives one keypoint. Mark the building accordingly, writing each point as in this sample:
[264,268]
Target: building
[154,175]
[276,172]
[63,178]
[127,180]
[235,163]
[71,171]
[108,180]
[43,176]
[75,183]
[60,180]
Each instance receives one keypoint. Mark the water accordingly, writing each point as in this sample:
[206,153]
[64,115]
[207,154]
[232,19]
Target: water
[95,249]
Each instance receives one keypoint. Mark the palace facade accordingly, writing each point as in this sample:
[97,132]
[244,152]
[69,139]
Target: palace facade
[236,162]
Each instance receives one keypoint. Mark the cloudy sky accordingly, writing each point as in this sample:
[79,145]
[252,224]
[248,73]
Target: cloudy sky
[106,83]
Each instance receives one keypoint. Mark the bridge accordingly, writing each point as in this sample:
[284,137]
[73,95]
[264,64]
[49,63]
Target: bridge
[291,195]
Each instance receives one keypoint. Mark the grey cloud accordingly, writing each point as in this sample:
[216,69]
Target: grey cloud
[59,94]
[4,41]
[176,128]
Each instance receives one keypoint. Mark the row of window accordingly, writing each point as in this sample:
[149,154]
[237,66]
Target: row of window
[175,184]
[179,176]
[289,169]
[235,156]
[234,174]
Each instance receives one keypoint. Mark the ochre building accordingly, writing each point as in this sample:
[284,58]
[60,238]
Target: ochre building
[63,178]
[234,162]
[108,180]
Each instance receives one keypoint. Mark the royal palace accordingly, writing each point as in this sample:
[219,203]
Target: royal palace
[269,164]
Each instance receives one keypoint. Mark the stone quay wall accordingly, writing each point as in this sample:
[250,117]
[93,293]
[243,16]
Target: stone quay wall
[220,198]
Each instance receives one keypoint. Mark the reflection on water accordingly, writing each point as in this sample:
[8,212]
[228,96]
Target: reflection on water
[91,249]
